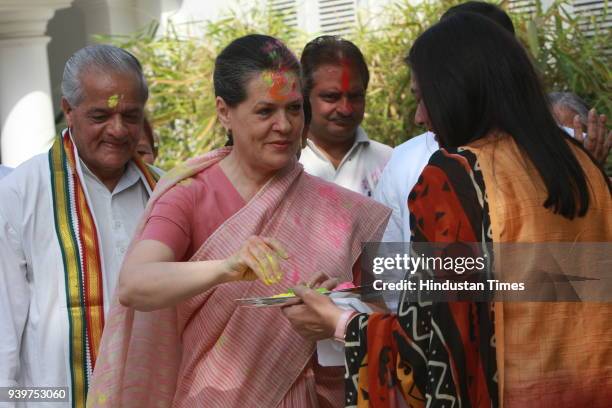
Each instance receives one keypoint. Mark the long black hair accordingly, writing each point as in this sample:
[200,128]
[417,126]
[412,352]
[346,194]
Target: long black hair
[489,10]
[475,78]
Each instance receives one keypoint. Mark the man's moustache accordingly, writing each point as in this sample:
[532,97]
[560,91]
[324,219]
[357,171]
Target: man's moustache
[346,121]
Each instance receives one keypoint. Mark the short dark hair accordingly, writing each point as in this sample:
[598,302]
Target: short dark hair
[243,58]
[491,11]
[476,78]
[332,50]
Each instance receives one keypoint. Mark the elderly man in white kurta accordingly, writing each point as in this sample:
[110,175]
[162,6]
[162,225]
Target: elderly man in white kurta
[66,219]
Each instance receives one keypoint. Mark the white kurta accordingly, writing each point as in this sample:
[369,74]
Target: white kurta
[34,329]
[4,171]
[358,171]
[398,178]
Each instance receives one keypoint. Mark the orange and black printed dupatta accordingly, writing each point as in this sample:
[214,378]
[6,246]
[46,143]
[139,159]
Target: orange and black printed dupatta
[431,354]
[79,243]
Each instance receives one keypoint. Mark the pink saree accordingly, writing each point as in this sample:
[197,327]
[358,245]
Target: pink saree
[209,352]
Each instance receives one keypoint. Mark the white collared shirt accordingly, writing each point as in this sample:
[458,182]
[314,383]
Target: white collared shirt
[34,346]
[358,171]
[398,178]
[4,171]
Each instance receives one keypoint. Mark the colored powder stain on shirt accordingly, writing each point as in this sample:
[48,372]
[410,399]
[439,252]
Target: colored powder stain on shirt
[177,172]
[220,342]
[294,276]
[186,182]
[347,205]
[328,192]
[102,398]
[341,225]
[338,229]
[298,221]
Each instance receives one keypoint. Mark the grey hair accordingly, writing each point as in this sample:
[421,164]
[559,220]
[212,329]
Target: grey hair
[571,101]
[102,57]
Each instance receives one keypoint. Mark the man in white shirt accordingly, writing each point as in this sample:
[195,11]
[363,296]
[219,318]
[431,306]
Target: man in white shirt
[337,149]
[4,171]
[66,220]
[398,178]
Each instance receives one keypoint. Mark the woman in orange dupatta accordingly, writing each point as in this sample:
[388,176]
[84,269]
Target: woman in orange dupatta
[251,223]
[506,174]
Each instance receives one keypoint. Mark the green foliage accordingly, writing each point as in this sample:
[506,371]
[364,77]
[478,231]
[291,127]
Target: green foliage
[179,67]
[567,58]
[390,105]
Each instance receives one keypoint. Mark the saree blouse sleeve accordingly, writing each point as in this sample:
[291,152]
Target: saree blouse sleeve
[170,221]
[409,355]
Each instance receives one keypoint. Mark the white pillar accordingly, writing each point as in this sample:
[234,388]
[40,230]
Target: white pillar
[26,112]
[116,17]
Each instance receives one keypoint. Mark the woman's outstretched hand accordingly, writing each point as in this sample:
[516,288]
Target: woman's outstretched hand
[258,258]
[316,318]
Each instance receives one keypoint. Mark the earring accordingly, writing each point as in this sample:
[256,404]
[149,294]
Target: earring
[230,138]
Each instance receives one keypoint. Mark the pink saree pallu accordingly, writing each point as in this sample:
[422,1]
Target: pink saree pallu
[207,351]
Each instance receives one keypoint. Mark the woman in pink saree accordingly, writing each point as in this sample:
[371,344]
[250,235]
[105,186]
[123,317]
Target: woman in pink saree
[241,221]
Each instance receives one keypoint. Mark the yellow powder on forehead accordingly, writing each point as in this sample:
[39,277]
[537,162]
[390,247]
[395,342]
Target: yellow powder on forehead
[113,101]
